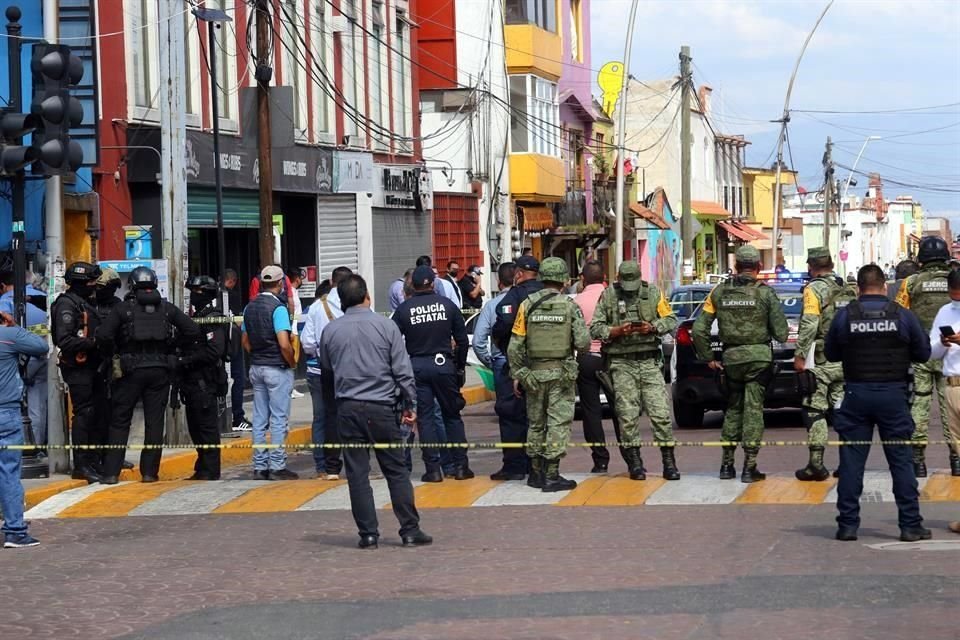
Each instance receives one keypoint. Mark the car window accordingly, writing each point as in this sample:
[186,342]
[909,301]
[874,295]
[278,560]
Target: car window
[791,302]
[680,303]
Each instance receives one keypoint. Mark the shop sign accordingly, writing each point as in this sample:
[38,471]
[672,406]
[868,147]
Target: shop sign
[402,187]
[353,172]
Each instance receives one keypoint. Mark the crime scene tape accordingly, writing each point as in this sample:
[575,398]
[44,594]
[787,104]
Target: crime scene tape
[213,320]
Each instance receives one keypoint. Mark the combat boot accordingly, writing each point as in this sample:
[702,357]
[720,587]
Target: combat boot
[552,480]
[814,471]
[635,463]
[728,469]
[535,479]
[919,461]
[954,465]
[670,471]
[750,472]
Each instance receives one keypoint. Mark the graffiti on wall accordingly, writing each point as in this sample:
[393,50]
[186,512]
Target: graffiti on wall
[662,261]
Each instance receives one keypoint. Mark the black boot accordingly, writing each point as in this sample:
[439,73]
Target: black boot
[635,463]
[535,479]
[920,461]
[954,465]
[750,472]
[728,469]
[814,471]
[552,480]
[670,471]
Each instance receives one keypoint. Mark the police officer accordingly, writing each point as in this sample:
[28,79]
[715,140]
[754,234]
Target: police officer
[429,324]
[821,381]
[876,341]
[548,329]
[925,293]
[105,293]
[74,325]
[630,318]
[140,332]
[749,316]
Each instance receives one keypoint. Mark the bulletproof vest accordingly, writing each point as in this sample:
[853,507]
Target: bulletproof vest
[875,351]
[146,327]
[832,296]
[258,323]
[214,312]
[741,314]
[549,327]
[928,293]
[640,307]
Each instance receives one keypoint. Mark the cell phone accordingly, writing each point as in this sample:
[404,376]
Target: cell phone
[947,331]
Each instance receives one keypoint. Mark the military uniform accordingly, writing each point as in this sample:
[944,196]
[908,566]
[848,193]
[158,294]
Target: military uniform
[635,363]
[749,316]
[821,298]
[548,329]
[925,293]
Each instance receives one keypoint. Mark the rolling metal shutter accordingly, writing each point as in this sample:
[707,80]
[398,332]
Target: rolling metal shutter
[400,236]
[336,233]
[241,209]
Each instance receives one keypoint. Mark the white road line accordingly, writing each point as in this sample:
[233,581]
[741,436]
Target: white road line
[339,497]
[510,494]
[877,487]
[196,498]
[696,489]
[53,505]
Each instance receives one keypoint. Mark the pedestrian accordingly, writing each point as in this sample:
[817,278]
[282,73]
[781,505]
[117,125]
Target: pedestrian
[630,317]
[15,342]
[238,366]
[822,381]
[442,285]
[876,341]
[749,316]
[371,370]
[945,346]
[429,325]
[326,459]
[548,330]
[904,270]
[295,276]
[74,328]
[139,335]
[510,409]
[925,293]
[397,296]
[471,287]
[453,270]
[203,377]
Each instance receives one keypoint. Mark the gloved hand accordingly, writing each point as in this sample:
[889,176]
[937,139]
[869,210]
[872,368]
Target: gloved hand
[461,377]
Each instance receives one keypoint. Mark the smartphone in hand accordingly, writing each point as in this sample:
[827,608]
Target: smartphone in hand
[946,331]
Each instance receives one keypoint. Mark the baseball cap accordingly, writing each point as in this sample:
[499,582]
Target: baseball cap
[527,263]
[422,276]
[748,254]
[630,275]
[815,253]
[271,273]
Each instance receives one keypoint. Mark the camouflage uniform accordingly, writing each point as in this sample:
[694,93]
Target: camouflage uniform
[749,316]
[541,354]
[634,363]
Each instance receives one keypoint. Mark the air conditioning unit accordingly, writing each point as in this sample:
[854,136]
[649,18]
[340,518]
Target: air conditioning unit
[355,141]
[338,24]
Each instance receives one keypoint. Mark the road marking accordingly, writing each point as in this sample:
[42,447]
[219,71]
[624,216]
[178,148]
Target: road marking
[587,485]
[452,493]
[52,506]
[941,487]
[778,490]
[286,495]
[120,499]
[516,494]
[196,498]
[621,491]
[922,545]
[695,490]
[338,498]
[877,487]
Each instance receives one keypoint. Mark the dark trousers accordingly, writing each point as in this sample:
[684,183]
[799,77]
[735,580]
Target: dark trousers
[152,386]
[512,414]
[200,405]
[88,392]
[884,405]
[369,423]
[438,383]
[589,388]
[238,372]
[324,428]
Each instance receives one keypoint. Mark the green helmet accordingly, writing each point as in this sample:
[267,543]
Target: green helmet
[108,277]
[554,270]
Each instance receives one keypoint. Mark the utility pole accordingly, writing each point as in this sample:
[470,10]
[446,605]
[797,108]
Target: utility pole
[263,75]
[686,220]
[621,135]
[827,191]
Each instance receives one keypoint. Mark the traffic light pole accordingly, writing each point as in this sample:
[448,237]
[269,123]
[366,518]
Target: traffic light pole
[215,100]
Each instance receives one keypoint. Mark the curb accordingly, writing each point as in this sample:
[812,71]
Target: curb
[180,465]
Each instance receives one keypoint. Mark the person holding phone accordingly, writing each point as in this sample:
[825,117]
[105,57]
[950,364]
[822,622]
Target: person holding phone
[945,346]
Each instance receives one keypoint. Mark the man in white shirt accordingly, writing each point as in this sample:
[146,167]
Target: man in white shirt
[440,285]
[321,313]
[945,346]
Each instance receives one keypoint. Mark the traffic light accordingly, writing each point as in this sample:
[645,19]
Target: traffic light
[55,70]
[14,155]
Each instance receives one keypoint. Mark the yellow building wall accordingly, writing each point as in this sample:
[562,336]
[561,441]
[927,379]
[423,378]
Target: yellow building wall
[536,177]
[77,245]
[761,186]
[530,49]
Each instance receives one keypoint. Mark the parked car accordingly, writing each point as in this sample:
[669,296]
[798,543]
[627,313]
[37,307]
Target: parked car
[684,300]
[695,388]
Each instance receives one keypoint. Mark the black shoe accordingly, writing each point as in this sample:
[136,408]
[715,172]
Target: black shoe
[811,473]
[915,534]
[464,473]
[284,474]
[553,481]
[535,479]
[367,542]
[847,534]
[432,476]
[108,480]
[728,472]
[149,479]
[599,467]
[751,474]
[670,471]
[919,461]
[262,475]
[203,477]
[836,473]
[126,465]
[507,476]
[635,463]
[87,473]
[418,539]
[954,465]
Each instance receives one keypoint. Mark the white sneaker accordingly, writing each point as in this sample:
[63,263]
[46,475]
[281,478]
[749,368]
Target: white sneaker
[332,476]
[296,394]
[243,425]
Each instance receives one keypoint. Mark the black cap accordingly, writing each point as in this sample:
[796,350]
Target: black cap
[527,263]
[422,277]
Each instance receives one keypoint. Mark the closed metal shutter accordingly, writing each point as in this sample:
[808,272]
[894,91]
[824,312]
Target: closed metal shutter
[336,233]
[241,209]
[400,236]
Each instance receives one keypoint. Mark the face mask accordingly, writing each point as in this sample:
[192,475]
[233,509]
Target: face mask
[200,300]
[105,294]
[454,272]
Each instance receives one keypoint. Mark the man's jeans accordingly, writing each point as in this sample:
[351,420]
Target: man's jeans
[11,489]
[238,372]
[271,409]
[37,399]
[324,429]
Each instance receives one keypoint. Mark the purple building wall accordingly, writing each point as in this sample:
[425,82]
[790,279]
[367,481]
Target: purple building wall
[576,85]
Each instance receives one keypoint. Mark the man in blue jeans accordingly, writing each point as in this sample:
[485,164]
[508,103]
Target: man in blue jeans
[266,337]
[14,342]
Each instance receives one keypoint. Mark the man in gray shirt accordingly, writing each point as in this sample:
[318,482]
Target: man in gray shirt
[371,368]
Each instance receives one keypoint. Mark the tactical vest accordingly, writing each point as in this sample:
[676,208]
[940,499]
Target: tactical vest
[258,323]
[549,328]
[928,293]
[146,328]
[874,351]
[741,315]
[832,297]
[641,307]
[87,324]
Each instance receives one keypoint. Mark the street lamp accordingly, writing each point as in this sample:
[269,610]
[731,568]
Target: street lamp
[213,17]
[843,199]
[621,132]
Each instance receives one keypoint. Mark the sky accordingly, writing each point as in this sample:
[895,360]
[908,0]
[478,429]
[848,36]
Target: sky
[867,55]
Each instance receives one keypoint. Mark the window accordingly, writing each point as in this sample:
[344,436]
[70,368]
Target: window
[321,50]
[534,116]
[576,39]
[377,67]
[294,62]
[542,13]
[726,198]
[351,43]
[225,50]
[401,84]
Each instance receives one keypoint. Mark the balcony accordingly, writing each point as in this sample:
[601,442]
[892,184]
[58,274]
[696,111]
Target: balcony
[536,178]
[572,210]
[605,198]
[530,49]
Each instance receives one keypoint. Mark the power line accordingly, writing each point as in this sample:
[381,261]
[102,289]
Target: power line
[879,111]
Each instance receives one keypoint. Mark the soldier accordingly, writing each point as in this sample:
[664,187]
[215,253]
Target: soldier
[925,293]
[821,380]
[105,292]
[749,316]
[630,318]
[548,329]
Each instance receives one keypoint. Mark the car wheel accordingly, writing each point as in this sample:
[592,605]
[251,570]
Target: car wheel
[687,416]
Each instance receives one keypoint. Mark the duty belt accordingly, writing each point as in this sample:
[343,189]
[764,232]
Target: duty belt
[952,381]
[642,355]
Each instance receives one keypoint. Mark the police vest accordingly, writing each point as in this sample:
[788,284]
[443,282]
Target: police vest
[258,323]
[875,352]
[832,297]
[640,307]
[928,293]
[146,327]
[741,315]
[550,327]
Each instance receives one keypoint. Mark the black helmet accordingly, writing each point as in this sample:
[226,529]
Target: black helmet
[81,272]
[142,278]
[933,248]
[205,284]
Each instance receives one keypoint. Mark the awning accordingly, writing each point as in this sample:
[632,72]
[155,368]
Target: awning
[914,238]
[735,231]
[649,215]
[707,208]
[757,235]
[537,218]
